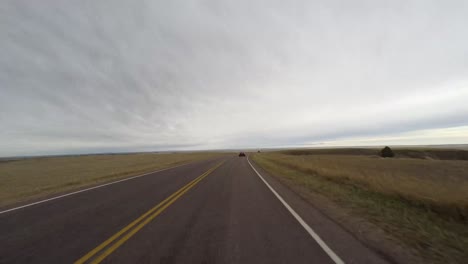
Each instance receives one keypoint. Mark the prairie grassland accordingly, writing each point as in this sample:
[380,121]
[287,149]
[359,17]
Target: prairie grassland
[421,203]
[31,178]
[400,152]
[439,184]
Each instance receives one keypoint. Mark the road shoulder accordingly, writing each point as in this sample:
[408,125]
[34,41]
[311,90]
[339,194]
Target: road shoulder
[47,197]
[354,239]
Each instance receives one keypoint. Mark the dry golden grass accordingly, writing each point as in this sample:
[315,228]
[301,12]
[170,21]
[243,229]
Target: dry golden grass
[31,178]
[439,184]
[400,152]
[421,203]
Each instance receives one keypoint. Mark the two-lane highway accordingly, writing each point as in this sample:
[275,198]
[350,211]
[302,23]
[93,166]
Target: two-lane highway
[216,211]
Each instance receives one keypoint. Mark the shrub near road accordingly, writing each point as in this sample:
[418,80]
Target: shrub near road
[422,203]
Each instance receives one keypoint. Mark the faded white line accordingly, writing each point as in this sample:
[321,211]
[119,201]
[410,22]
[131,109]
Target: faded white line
[311,232]
[88,189]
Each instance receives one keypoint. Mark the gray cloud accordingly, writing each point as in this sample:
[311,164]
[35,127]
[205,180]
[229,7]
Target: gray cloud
[132,75]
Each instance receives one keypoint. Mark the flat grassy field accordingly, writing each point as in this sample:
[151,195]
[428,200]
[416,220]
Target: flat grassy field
[31,178]
[423,203]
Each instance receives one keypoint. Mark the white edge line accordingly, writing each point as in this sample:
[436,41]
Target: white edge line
[88,189]
[311,232]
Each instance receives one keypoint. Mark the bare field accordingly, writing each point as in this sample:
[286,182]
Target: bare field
[31,178]
[421,202]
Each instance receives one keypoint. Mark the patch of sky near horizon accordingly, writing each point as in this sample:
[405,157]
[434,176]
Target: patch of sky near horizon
[102,76]
[443,137]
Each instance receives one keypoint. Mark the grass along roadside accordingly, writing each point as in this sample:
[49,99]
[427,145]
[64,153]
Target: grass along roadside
[370,188]
[32,178]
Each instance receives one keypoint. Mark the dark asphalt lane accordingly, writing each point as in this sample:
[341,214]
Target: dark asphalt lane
[62,230]
[228,217]
[231,217]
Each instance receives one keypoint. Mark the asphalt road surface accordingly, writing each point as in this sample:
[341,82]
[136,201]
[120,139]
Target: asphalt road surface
[216,211]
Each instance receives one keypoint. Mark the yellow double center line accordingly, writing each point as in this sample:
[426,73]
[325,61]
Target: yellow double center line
[117,240]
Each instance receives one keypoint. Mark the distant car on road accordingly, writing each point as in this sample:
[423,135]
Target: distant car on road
[242,154]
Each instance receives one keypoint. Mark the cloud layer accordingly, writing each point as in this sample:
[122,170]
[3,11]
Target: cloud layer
[92,76]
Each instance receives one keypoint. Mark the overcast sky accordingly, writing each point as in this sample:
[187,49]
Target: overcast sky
[110,75]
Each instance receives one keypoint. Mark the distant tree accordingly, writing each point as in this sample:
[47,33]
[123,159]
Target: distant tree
[387,152]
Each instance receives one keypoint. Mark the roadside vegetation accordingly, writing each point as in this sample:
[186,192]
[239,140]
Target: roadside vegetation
[421,202]
[31,178]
